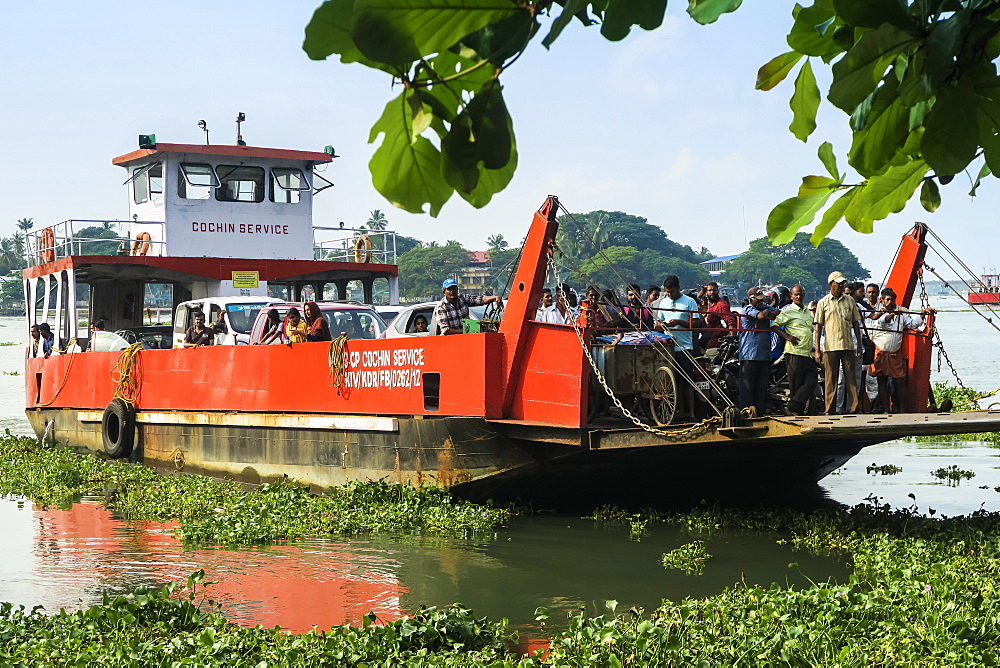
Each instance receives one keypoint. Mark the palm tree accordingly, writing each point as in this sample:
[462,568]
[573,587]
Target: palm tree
[10,258]
[26,224]
[377,221]
[496,242]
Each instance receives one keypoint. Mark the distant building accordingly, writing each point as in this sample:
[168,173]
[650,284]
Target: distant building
[474,279]
[717,265]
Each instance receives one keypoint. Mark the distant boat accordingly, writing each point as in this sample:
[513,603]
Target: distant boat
[986,290]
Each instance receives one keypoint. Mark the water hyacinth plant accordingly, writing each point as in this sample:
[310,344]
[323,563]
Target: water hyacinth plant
[227,513]
[884,469]
[690,558]
[171,626]
[952,474]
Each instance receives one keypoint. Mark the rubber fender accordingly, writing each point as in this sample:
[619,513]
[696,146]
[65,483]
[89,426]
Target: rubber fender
[118,429]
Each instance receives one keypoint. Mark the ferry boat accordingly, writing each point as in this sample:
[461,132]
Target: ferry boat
[510,413]
[986,290]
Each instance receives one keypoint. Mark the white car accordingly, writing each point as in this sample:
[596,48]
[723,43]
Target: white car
[404,324]
[356,320]
[239,314]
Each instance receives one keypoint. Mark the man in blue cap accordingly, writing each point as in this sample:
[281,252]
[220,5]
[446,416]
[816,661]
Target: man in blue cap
[454,308]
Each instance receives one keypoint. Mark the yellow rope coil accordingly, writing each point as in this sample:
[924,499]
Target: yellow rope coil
[127,374]
[337,360]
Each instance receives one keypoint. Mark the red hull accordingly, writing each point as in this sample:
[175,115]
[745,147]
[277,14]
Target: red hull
[984,297]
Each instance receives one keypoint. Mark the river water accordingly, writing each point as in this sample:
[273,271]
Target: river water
[67,558]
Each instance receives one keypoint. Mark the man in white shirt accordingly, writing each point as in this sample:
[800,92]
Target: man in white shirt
[677,315]
[559,313]
[886,325]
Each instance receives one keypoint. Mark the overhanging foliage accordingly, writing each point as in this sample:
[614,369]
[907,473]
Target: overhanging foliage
[916,78]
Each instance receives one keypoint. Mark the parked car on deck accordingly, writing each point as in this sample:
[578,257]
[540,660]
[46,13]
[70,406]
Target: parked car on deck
[240,313]
[404,324]
[358,321]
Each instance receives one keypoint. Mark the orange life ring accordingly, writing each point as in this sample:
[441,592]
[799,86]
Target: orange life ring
[47,245]
[141,244]
[363,242]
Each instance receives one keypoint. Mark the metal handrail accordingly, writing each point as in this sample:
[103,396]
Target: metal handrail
[341,248]
[67,243]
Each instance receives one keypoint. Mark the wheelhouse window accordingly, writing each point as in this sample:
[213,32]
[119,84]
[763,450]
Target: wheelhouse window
[240,184]
[287,185]
[196,180]
[147,183]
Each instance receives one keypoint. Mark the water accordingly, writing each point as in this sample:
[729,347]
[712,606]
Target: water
[59,558]
[67,558]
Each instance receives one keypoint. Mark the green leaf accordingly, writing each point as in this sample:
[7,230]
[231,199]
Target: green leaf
[621,15]
[491,181]
[812,185]
[914,88]
[775,70]
[328,32]
[857,216]
[951,130]
[786,218]
[833,215]
[930,196]
[405,170]
[991,151]
[571,9]
[873,13]
[943,44]
[445,98]
[887,193]
[813,32]
[403,31]
[504,39]
[857,74]
[480,136]
[828,159]
[804,103]
[984,171]
[886,129]
[709,11]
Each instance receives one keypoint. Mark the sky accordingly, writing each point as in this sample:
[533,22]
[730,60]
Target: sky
[665,124]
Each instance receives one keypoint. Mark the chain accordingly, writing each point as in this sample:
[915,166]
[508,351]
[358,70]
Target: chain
[939,344]
[676,435]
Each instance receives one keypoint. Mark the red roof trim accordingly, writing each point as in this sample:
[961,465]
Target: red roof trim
[229,151]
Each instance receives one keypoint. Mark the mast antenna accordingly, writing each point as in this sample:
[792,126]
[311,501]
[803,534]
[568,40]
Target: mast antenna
[239,133]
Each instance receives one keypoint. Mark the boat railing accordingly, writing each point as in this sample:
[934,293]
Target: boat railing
[345,244]
[92,237]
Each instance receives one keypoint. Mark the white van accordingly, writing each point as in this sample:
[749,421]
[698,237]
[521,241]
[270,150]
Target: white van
[239,314]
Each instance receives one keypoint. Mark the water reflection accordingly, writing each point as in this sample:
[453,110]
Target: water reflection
[67,558]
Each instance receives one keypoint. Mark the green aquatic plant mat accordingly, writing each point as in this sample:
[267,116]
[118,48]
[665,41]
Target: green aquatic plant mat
[171,626]
[227,513]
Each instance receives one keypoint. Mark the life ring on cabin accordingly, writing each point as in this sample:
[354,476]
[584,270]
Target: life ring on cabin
[141,244]
[47,245]
[363,242]
[118,429]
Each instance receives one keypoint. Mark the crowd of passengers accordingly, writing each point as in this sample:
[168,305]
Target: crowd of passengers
[825,338]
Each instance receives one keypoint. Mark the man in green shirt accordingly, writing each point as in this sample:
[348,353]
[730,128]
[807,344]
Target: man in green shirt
[802,370]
